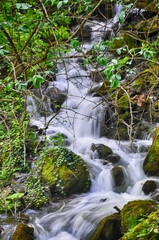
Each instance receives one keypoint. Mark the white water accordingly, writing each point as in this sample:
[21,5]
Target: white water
[78,218]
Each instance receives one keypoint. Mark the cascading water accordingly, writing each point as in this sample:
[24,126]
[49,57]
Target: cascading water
[83,115]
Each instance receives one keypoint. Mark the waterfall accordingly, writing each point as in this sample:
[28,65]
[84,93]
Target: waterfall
[80,120]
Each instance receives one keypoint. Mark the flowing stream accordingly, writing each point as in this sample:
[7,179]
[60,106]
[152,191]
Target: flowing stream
[80,120]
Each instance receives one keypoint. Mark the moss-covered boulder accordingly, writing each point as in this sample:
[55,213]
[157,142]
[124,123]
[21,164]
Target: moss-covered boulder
[109,228]
[23,232]
[118,175]
[147,229]
[151,162]
[64,172]
[102,150]
[135,210]
[149,187]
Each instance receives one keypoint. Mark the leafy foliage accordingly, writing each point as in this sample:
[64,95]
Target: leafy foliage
[33,37]
[145,228]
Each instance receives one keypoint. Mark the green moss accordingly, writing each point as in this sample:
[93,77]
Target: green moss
[23,232]
[122,133]
[135,210]
[139,83]
[48,172]
[123,104]
[123,101]
[151,162]
[125,116]
[64,171]
[147,78]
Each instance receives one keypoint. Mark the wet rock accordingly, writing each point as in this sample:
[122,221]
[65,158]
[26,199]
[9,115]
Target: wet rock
[133,211]
[56,97]
[23,232]
[97,76]
[1,230]
[84,33]
[19,188]
[151,162]
[43,103]
[143,148]
[36,105]
[108,229]
[143,130]
[103,199]
[102,150]
[134,17]
[109,35]
[93,90]
[118,175]
[18,182]
[113,158]
[149,187]
[64,172]
[103,90]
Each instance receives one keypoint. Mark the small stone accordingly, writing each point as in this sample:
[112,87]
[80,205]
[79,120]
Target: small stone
[149,187]
[102,150]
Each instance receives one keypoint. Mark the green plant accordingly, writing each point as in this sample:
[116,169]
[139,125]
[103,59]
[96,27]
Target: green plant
[10,201]
[149,50]
[145,228]
[35,197]
[125,7]
[113,71]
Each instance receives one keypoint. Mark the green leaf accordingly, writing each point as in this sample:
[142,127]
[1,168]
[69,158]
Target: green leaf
[85,61]
[102,47]
[103,61]
[36,79]
[23,6]
[48,72]
[121,16]
[59,4]
[9,86]
[3,51]
[114,61]
[115,83]
[15,196]
[108,72]
[118,77]
[75,43]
